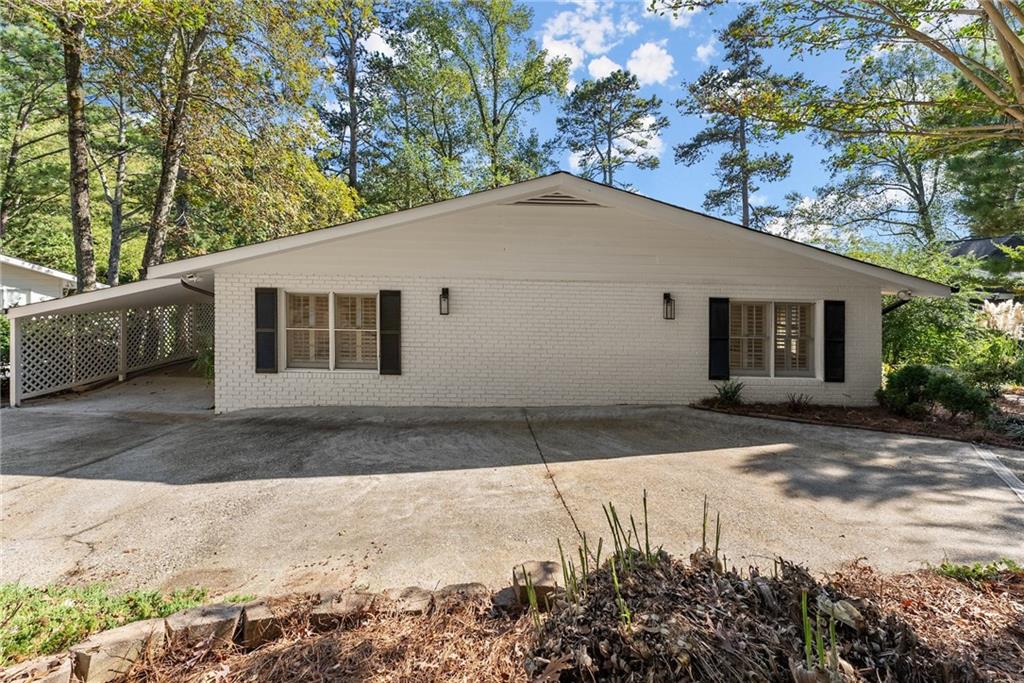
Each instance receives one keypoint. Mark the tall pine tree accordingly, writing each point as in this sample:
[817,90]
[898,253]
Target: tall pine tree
[609,126]
[729,99]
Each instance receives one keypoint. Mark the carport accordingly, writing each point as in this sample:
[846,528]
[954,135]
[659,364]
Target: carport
[106,334]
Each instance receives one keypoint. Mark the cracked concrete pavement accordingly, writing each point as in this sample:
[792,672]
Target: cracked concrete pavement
[140,485]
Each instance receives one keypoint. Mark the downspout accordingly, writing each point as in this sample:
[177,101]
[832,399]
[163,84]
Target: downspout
[904,296]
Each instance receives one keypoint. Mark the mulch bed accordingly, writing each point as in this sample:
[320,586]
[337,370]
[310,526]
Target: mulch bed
[879,419]
[691,620]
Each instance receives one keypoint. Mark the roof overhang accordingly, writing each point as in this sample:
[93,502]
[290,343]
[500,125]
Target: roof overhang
[132,295]
[14,262]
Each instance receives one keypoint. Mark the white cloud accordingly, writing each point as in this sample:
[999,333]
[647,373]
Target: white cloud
[593,27]
[574,160]
[562,48]
[676,19]
[332,106]
[706,50]
[758,199]
[651,63]
[376,43]
[601,67]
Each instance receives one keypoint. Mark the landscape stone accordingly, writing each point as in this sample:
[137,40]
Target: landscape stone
[108,655]
[410,600]
[335,609]
[462,592]
[215,622]
[543,574]
[259,624]
[48,669]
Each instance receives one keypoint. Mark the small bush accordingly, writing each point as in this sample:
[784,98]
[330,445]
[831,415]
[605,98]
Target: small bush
[905,391]
[958,397]
[730,393]
[997,362]
[797,403]
[913,390]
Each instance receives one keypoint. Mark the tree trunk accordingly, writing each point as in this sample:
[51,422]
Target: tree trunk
[73,39]
[353,110]
[12,161]
[744,172]
[174,147]
[116,200]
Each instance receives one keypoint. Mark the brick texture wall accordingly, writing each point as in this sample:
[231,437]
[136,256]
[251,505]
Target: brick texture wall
[531,343]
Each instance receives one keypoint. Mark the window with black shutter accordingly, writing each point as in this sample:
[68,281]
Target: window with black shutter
[390,332]
[835,341]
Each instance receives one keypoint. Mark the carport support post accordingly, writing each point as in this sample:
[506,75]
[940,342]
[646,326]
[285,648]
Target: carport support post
[122,345]
[15,348]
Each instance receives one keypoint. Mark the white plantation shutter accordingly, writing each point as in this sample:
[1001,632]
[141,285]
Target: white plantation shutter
[355,331]
[748,338]
[307,333]
[794,339]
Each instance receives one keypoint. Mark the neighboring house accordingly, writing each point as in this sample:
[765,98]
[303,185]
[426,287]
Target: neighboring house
[552,291]
[993,260]
[23,282]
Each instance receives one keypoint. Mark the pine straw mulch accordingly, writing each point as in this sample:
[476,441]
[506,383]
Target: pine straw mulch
[464,640]
[980,624]
[690,621]
[695,622]
[879,419]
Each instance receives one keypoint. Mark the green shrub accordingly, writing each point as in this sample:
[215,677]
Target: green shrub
[905,391]
[5,339]
[913,389]
[996,362]
[957,396]
[730,393]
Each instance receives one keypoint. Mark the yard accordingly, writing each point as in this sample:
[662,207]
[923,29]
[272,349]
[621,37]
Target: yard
[139,485]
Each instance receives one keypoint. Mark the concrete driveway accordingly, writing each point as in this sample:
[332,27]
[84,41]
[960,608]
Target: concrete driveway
[140,485]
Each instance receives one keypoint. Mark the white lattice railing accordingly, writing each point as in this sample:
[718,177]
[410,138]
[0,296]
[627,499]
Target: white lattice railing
[57,352]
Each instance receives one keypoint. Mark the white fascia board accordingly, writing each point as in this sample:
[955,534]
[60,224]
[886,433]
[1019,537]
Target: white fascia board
[15,262]
[98,299]
[500,195]
[892,280]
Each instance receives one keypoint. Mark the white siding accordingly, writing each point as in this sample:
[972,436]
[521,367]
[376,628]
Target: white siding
[532,342]
[21,286]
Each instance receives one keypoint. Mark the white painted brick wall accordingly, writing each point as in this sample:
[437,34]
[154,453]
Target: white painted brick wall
[531,343]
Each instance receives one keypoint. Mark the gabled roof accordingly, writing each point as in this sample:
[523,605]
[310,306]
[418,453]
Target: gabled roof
[35,267]
[559,188]
[166,281]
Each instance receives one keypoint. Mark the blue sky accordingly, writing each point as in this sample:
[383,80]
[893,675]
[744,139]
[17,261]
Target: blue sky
[665,53]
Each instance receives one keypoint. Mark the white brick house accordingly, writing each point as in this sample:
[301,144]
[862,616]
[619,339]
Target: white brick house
[559,291]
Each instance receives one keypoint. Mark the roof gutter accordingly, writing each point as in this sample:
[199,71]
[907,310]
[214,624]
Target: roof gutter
[189,285]
[904,296]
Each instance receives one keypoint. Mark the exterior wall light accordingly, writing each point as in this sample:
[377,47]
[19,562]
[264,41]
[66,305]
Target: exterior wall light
[444,301]
[669,306]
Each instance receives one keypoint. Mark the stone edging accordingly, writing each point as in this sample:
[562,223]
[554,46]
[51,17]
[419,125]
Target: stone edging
[107,655]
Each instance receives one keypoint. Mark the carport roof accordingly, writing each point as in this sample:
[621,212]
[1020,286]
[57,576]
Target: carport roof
[134,294]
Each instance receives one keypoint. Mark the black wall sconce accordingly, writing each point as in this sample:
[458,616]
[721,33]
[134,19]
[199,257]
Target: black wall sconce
[444,301]
[669,306]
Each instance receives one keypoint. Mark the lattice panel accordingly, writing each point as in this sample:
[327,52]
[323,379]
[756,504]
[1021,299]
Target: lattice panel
[57,352]
[61,351]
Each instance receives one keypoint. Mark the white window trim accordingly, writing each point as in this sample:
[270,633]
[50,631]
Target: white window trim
[818,311]
[376,302]
[282,325]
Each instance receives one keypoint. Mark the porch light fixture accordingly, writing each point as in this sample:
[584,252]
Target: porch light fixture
[444,301]
[669,306]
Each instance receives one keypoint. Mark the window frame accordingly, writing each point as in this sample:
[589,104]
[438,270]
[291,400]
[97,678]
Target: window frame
[768,339]
[331,295]
[359,314]
[814,331]
[812,337]
[284,319]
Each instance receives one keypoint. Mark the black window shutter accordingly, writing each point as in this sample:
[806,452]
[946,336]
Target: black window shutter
[390,332]
[835,341]
[718,338]
[266,329]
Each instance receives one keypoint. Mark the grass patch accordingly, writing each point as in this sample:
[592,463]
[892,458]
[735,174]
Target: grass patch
[40,621]
[978,572]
